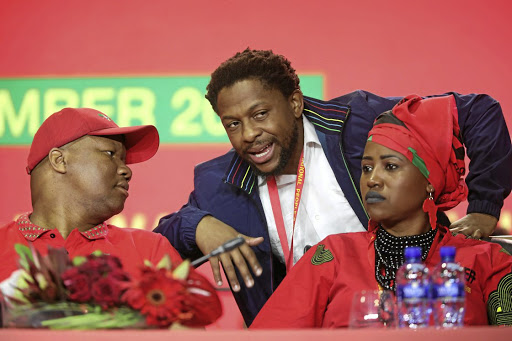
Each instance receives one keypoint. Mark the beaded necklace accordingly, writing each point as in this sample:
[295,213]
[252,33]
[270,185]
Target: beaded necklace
[389,254]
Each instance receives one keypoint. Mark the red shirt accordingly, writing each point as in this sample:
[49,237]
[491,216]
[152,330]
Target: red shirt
[320,294]
[132,246]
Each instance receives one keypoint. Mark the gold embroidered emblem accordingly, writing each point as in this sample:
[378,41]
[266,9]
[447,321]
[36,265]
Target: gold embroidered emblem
[504,251]
[499,304]
[321,255]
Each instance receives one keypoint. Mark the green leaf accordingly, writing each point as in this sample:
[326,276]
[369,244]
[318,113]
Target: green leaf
[122,317]
[97,253]
[182,270]
[43,283]
[22,283]
[165,263]
[25,255]
[79,260]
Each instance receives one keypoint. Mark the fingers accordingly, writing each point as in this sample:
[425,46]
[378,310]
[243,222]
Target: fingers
[241,265]
[237,259]
[210,233]
[253,241]
[251,258]
[214,263]
[455,230]
[470,233]
[458,227]
[458,230]
[477,234]
[475,225]
[229,269]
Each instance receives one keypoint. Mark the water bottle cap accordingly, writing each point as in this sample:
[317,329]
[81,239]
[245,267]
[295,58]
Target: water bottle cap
[447,252]
[412,252]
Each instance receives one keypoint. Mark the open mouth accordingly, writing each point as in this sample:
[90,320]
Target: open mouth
[262,155]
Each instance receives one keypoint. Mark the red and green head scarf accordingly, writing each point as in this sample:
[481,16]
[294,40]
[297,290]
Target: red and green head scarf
[427,132]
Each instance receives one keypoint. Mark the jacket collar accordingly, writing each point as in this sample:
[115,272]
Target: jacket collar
[32,231]
[328,117]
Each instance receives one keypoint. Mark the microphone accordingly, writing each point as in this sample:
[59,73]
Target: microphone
[227,246]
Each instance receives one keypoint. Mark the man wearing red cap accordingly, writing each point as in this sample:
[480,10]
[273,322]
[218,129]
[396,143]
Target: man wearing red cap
[79,179]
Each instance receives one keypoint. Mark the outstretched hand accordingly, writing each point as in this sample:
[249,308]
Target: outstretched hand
[475,225]
[212,233]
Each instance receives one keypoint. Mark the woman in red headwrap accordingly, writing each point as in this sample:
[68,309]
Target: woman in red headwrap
[413,165]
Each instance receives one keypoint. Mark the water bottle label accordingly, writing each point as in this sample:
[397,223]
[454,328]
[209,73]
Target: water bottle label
[449,289]
[412,290]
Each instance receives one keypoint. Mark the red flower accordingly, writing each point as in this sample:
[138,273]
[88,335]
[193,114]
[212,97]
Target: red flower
[78,285]
[202,301]
[112,262]
[93,268]
[100,278]
[163,296]
[119,275]
[99,265]
[106,292]
[159,297]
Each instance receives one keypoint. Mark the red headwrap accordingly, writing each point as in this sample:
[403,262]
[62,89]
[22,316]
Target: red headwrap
[426,131]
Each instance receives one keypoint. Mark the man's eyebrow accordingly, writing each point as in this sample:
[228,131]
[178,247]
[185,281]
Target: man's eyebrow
[251,108]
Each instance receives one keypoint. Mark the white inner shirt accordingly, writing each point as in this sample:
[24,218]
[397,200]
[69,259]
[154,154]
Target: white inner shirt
[323,208]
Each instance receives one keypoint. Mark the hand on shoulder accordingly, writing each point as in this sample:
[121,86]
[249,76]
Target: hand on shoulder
[475,225]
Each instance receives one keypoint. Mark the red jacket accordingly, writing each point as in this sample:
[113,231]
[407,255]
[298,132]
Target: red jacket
[318,292]
[132,246]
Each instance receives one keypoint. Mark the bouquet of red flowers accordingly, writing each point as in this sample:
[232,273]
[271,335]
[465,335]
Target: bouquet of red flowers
[94,292]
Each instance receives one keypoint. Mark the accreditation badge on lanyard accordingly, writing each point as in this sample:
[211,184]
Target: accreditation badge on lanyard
[278,214]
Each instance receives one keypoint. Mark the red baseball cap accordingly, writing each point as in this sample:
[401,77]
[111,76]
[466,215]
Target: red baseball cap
[69,124]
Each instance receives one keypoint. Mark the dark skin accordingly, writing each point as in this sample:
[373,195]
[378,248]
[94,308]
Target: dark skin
[259,123]
[81,184]
[475,225]
[393,190]
[262,124]
[244,109]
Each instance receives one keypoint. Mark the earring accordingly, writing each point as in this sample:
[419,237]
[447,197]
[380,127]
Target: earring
[429,206]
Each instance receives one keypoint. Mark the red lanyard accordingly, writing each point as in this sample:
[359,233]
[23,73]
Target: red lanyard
[278,214]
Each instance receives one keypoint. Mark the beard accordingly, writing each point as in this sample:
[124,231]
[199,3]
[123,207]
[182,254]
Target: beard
[288,147]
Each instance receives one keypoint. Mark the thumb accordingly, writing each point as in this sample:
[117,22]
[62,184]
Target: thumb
[477,234]
[252,241]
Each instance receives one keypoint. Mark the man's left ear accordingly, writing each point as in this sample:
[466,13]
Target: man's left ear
[57,160]
[297,102]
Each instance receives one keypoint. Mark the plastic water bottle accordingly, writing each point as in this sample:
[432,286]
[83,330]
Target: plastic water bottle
[412,290]
[448,296]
